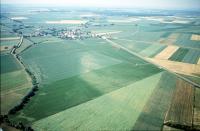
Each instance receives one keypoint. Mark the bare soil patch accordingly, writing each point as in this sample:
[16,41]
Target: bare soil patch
[178,67]
[5,48]
[167,52]
[195,37]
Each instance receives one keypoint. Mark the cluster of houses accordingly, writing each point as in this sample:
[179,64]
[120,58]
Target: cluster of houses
[64,33]
[61,33]
[74,34]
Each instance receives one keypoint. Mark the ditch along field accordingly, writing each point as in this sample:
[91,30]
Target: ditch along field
[15,83]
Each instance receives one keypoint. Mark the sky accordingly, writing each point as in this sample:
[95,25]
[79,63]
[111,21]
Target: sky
[156,4]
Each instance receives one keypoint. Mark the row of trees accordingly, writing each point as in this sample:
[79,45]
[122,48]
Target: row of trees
[25,100]
[29,95]
[180,126]
[19,125]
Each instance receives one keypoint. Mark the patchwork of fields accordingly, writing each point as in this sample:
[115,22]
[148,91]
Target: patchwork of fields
[100,71]
[97,73]
[15,83]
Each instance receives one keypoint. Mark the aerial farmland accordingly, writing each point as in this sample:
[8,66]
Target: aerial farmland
[100,69]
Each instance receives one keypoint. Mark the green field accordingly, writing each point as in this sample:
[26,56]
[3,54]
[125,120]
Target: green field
[142,48]
[14,86]
[134,106]
[71,58]
[9,63]
[179,54]
[25,44]
[9,42]
[195,79]
[192,56]
[184,40]
[13,79]
[152,50]
[106,112]
[152,115]
[15,83]
[132,45]
[83,75]
[86,82]
[44,39]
